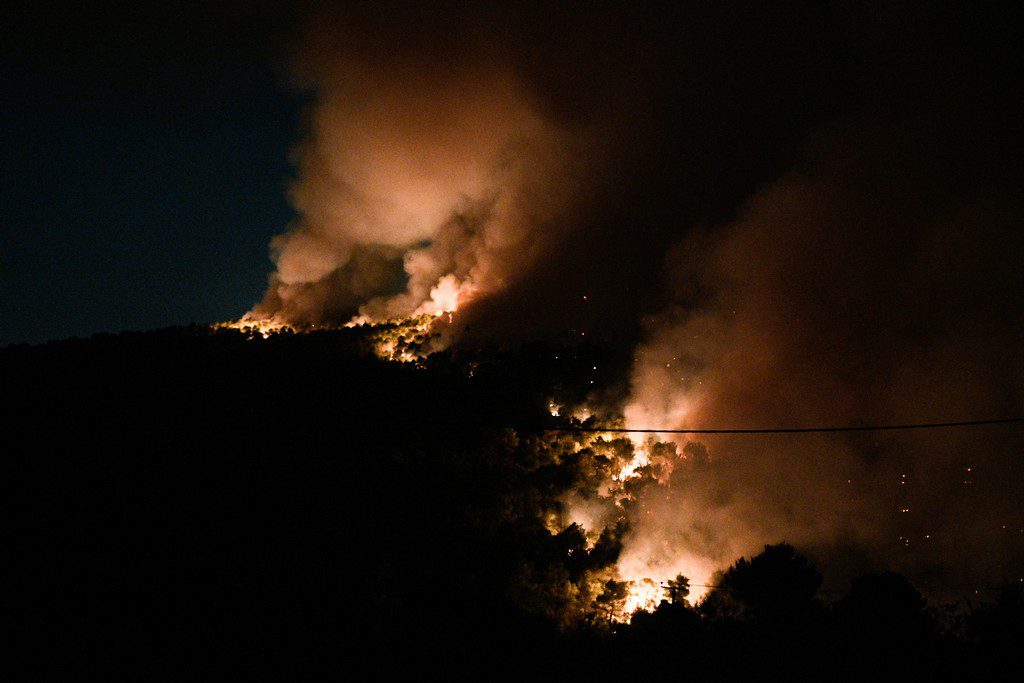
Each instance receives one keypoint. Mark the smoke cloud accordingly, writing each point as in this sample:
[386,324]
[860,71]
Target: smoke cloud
[807,215]
[425,179]
[879,282]
[491,159]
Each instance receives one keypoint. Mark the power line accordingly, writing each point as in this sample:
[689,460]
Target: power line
[791,430]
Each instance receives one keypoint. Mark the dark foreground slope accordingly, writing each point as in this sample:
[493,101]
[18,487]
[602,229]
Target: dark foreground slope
[200,495]
[197,502]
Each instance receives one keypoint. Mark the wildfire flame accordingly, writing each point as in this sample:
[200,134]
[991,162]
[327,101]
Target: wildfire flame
[642,594]
[255,326]
[642,573]
[405,340]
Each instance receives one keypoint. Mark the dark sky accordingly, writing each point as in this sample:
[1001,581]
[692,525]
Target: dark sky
[145,162]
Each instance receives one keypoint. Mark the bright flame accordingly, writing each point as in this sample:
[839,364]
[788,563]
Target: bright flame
[253,326]
[641,458]
[642,594]
[646,565]
[405,341]
[641,562]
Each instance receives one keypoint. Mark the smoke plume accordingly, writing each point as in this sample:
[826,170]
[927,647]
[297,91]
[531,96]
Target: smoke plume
[808,215]
[878,281]
[426,178]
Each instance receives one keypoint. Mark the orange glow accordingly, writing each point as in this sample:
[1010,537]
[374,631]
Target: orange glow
[642,594]
[252,327]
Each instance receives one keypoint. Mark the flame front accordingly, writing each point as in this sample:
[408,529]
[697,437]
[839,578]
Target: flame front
[252,327]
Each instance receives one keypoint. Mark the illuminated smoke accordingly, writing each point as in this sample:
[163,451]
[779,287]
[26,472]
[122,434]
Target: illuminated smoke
[876,279]
[423,182]
[866,285]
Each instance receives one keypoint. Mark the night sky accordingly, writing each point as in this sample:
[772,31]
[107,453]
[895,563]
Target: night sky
[145,163]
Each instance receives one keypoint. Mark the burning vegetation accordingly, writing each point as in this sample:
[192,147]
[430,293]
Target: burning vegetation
[641,521]
[593,513]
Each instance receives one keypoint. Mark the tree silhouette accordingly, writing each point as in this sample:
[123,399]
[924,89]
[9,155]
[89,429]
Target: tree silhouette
[611,600]
[678,589]
[777,583]
[885,606]
[999,624]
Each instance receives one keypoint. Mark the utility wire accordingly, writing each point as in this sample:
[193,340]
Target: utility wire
[792,430]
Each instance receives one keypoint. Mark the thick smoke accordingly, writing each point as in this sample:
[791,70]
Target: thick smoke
[878,281]
[492,159]
[426,178]
[808,214]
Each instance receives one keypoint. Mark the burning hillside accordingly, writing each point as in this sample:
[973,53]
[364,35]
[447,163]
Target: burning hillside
[620,338]
[612,470]
[780,261]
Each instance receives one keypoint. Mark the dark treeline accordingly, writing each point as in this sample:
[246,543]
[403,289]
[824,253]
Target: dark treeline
[198,502]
